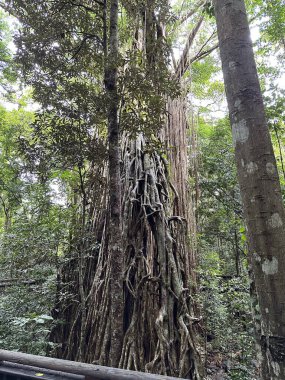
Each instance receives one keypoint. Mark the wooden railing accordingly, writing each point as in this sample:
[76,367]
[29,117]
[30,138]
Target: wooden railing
[26,366]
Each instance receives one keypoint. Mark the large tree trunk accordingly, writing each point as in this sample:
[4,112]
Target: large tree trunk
[258,178]
[158,265]
[158,252]
[158,311]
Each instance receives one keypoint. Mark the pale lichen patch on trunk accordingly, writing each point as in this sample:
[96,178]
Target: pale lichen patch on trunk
[256,257]
[275,221]
[232,65]
[251,167]
[270,267]
[237,104]
[270,168]
[240,132]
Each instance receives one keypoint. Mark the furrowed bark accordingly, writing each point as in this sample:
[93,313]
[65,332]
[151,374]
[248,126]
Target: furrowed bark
[258,178]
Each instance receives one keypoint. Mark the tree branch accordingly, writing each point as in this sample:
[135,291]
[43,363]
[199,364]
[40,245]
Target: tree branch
[203,54]
[183,62]
[186,16]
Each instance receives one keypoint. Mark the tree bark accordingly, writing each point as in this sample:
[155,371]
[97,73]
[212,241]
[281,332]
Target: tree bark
[115,228]
[258,179]
[158,246]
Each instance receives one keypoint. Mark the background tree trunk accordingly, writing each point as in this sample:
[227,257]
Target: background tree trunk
[115,229]
[258,178]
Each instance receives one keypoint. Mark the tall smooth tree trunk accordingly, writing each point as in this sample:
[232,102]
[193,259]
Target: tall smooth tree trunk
[258,178]
[115,228]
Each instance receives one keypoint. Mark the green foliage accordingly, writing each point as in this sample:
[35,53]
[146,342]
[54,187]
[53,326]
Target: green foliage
[275,111]
[223,261]
[143,90]
[269,19]
[12,125]
[209,8]
[24,326]
[220,208]
[206,86]
[7,68]
[33,229]
[272,15]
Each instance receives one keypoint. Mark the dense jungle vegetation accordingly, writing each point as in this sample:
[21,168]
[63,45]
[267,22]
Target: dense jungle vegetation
[146,220]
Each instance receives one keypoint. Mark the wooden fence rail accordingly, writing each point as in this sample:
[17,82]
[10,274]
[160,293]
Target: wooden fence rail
[89,371]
